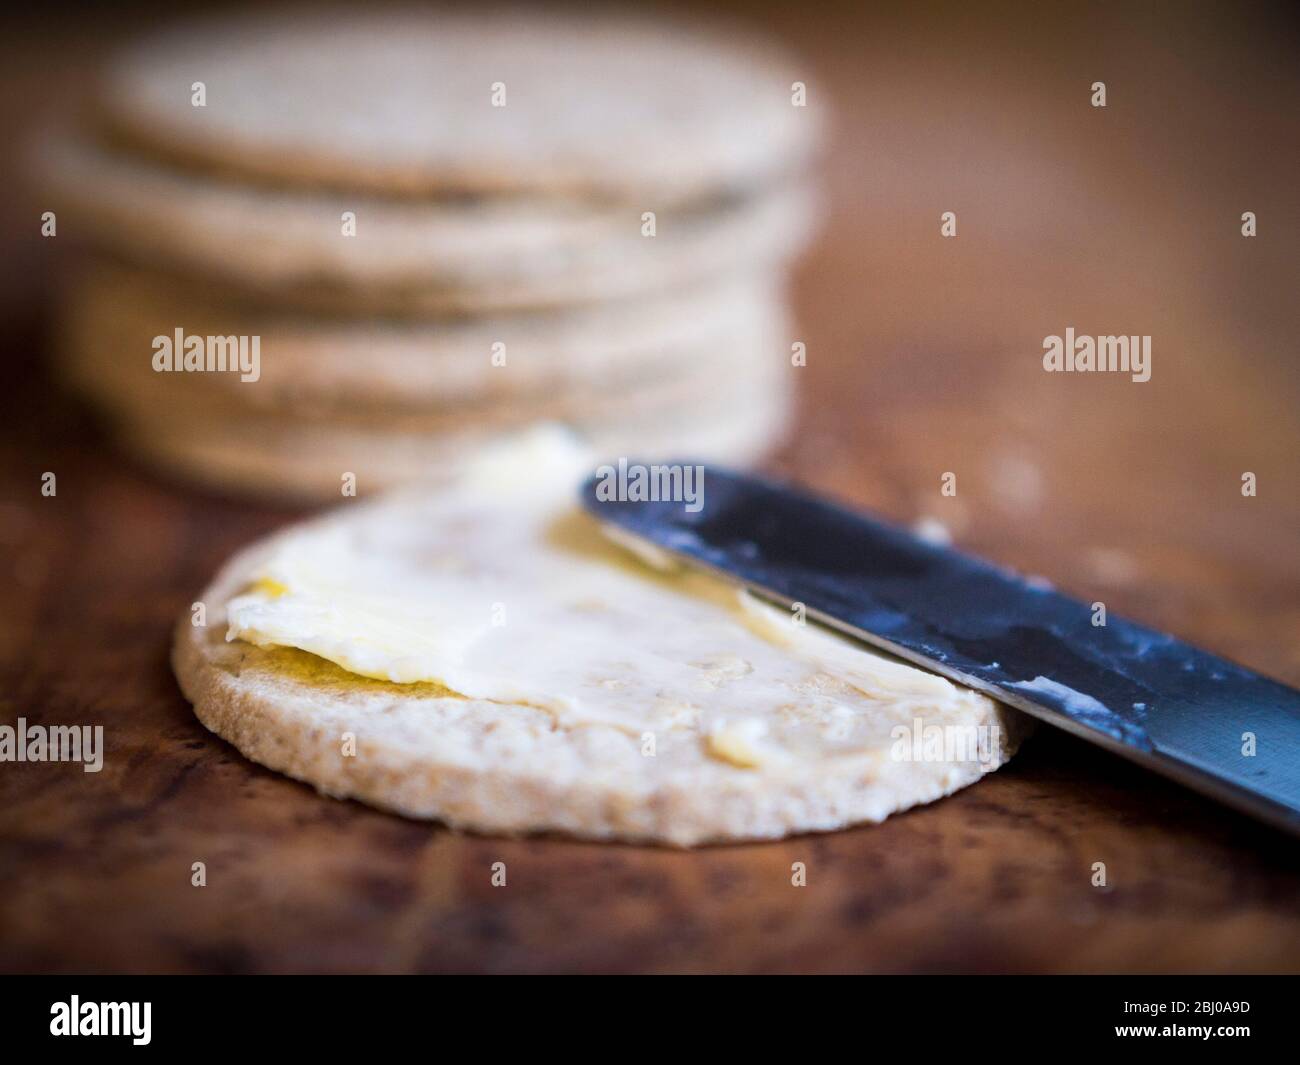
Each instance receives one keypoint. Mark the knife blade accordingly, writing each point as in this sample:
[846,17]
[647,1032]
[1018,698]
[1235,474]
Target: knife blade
[1208,723]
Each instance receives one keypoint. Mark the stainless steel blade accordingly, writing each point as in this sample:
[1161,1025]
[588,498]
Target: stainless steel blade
[1206,722]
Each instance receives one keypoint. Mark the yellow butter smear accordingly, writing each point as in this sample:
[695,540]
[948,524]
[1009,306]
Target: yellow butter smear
[506,592]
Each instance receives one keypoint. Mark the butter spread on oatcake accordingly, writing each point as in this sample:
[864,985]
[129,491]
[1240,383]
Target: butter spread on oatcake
[520,599]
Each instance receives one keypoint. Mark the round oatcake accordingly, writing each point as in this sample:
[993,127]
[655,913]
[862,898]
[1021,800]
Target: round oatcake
[422,102]
[295,460]
[479,654]
[362,367]
[288,246]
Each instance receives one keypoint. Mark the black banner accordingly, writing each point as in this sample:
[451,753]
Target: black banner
[344,1013]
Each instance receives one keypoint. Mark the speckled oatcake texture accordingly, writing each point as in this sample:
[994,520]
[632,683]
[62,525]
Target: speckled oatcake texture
[409,257]
[505,768]
[360,368]
[403,102]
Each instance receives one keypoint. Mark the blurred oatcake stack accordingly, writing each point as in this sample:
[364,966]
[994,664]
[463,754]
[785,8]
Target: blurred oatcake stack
[404,234]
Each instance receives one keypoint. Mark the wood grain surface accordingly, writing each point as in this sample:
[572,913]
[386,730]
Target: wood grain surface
[923,358]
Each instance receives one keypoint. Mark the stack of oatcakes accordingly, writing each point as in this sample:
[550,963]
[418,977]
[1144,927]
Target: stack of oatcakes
[344,250]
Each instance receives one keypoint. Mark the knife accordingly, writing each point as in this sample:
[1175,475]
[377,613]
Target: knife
[1206,722]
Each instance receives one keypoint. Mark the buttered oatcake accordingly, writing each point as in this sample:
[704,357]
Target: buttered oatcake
[483,656]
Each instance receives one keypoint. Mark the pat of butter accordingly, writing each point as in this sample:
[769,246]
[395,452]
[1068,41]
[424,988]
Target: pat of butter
[739,742]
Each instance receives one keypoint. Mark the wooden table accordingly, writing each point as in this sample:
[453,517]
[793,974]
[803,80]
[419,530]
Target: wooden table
[923,358]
